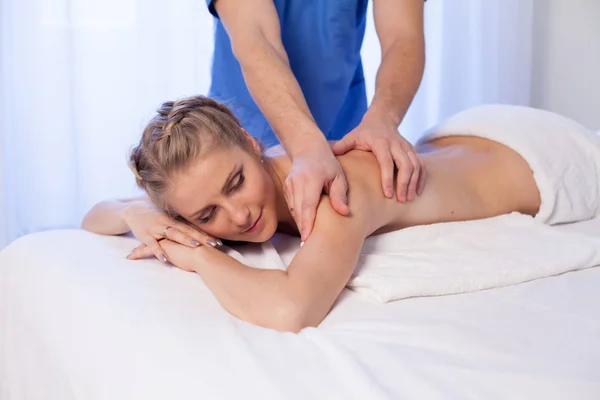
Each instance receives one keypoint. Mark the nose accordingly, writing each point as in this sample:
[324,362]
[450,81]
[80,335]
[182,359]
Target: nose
[240,215]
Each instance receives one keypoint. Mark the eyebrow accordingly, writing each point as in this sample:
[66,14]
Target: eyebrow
[236,169]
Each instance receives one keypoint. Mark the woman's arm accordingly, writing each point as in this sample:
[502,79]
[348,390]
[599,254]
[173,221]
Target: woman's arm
[107,217]
[303,295]
[293,299]
[147,223]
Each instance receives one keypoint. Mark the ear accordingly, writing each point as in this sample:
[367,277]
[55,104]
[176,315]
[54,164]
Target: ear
[255,146]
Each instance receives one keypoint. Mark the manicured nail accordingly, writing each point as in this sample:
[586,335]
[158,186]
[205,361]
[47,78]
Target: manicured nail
[388,192]
[128,255]
[195,243]
[163,257]
[211,243]
[219,243]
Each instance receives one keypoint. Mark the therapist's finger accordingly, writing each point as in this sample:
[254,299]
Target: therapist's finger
[338,195]
[288,192]
[343,146]
[414,177]
[386,165]
[422,177]
[306,199]
[405,170]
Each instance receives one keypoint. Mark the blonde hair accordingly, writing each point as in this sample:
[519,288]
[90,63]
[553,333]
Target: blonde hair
[178,134]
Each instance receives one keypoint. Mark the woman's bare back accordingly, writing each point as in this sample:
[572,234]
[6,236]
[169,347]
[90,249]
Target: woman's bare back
[468,178]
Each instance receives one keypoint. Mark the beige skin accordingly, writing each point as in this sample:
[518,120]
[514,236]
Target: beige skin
[254,30]
[469,178]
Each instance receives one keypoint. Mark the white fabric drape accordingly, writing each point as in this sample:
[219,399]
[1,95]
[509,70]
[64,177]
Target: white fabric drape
[79,78]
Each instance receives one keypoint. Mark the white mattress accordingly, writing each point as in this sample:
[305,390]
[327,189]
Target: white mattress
[78,321]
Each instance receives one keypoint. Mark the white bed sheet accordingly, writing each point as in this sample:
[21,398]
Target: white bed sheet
[77,321]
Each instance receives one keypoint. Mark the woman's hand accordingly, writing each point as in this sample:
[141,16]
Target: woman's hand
[179,255]
[150,225]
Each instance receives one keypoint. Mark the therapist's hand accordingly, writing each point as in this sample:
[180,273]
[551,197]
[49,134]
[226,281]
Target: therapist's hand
[392,150]
[314,171]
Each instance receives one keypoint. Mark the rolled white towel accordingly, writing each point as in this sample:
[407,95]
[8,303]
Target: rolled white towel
[563,155]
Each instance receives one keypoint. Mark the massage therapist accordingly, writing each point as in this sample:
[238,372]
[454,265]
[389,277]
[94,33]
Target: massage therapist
[291,71]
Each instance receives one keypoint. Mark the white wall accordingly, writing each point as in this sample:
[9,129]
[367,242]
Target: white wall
[3,216]
[566,59]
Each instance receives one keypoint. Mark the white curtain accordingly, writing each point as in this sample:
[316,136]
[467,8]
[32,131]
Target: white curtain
[79,78]
[477,51]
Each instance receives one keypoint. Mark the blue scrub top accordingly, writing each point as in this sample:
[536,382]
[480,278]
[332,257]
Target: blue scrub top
[323,39]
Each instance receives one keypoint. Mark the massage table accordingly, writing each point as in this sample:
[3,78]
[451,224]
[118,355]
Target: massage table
[80,322]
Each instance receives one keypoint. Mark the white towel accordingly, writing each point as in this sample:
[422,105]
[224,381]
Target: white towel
[461,257]
[563,155]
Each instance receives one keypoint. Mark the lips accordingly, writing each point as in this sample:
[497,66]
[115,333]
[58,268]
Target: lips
[255,224]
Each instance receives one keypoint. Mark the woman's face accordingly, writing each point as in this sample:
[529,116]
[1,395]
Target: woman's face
[228,194]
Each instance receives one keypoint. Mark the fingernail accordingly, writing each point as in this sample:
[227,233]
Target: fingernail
[128,255]
[195,243]
[163,257]
[219,243]
[388,192]
[211,243]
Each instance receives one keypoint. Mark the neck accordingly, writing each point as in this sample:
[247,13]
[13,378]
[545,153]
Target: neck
[278,168]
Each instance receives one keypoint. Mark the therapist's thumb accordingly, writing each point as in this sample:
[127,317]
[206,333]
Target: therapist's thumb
[338,195]
[343,146]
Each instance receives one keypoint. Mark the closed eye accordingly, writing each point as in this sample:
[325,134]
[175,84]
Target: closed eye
[205,220]
[239,183]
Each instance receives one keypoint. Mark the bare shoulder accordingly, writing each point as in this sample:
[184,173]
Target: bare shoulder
[365,192]
[362,170]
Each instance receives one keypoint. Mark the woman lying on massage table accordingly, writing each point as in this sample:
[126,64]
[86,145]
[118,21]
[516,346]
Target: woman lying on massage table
[202,171]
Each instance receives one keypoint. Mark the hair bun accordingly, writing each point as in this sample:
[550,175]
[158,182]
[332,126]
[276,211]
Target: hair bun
[165,108]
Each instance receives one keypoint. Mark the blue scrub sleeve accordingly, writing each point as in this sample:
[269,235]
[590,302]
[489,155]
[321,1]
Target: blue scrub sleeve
[211,8]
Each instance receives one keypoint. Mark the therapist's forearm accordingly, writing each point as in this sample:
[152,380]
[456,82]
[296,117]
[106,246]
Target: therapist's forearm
[277,93]
[398,79]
